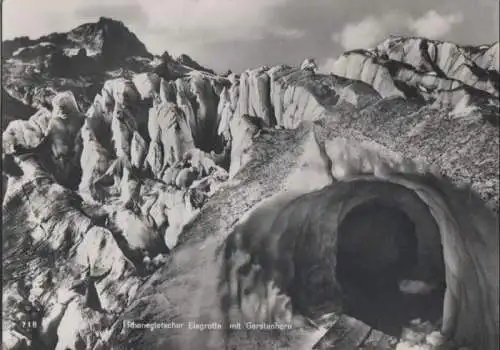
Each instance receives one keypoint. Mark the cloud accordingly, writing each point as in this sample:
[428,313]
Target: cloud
[432,25]
[188,25]
[287,33]
[37,18]
[372,30]
[215,20]
[369,31]
[360,35]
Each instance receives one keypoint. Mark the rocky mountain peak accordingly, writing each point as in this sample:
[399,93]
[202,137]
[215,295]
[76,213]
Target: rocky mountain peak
[110,39]
[107,39]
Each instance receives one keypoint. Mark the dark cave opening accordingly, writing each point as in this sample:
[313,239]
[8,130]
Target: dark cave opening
[377,248]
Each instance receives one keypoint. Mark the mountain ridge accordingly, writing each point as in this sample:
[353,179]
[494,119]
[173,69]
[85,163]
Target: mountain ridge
[144,189]
[84,36]
[426,82]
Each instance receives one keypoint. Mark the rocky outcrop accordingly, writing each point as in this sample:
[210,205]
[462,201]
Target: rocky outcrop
[372,73]
[254,95]
[488,57]
[60,232]
[197,96]
[35,70]
[288,96]
[110,39]
[27,134]
[107,39]
[147,84]
[54,135]
[433,71]
[188,61]
[80,61]
[13,109]
[125,217]
[171,137]
[152,141]
[445,60]
[296,96]
[256,229]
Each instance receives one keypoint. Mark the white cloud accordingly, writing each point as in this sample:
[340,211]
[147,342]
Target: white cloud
[369,31]
[191,24]
[360,35]
[216,20]
[372,30]
[433,25]
[287,33]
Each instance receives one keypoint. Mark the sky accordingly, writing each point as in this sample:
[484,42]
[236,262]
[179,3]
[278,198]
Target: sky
[241,34]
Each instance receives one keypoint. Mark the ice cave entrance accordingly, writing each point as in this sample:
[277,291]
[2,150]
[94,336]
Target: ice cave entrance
[377,247]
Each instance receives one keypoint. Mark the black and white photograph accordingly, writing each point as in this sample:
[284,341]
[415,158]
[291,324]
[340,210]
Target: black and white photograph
[250,174]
